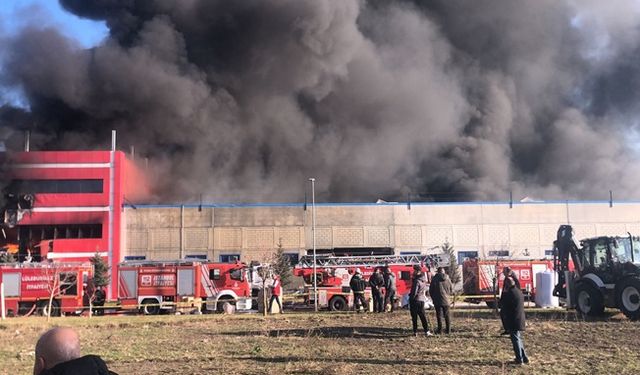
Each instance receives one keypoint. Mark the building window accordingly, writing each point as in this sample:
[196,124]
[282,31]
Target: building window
[293,258]
[463,255]
[548,253]
[229,258]
[196,256]
[134,257]
[56,186]
[499,253]
[409,253]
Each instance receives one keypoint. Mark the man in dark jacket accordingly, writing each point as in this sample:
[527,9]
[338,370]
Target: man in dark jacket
[512,309]
[58,353]
[389,288]
[376,282]
[440,289]
[417,300]
[357,285]
[508,272]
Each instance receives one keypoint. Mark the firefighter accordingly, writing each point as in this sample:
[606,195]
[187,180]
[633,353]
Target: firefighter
[357,286]
[389,288]
[276,292]
[512,308]
[440,289]
[376,282]
[417,300]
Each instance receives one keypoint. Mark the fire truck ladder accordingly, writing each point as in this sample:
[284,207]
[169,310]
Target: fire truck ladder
[438,260]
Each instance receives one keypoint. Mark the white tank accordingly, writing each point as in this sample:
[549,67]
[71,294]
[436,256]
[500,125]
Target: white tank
[545,282]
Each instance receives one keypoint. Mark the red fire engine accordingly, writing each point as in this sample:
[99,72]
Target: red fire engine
[28,287]
[154,286]
[478,276]
[334,275]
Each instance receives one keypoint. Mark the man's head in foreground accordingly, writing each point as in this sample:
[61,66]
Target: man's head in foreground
[55,346]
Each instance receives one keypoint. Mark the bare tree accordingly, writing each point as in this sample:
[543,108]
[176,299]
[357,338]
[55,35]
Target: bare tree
[60,280]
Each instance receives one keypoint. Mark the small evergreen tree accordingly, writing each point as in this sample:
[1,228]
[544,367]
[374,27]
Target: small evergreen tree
[282,266]
[100,271]
[453,271]
[99,280]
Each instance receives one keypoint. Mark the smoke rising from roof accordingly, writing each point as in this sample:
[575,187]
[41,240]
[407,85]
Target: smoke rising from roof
[244,100]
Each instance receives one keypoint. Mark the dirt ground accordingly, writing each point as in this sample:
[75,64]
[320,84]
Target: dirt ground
[334,343]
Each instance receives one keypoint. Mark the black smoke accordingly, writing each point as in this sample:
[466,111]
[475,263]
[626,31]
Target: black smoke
[438,100]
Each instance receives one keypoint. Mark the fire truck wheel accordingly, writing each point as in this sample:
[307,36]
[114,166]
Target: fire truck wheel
[221,301]
[628,297]
[338,303]
[150,307]
[491,304]
[589,300]
[43,308]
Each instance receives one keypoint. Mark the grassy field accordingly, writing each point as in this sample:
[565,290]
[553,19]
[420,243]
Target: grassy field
[329,343]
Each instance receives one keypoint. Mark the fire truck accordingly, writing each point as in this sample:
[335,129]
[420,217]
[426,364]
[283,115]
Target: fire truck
[334,274]
[28,287]
[179,286]
[478,276]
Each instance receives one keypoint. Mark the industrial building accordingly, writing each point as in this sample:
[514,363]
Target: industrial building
[474,229]
[69,205]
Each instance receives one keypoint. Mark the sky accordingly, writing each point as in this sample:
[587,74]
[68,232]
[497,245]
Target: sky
[16,13]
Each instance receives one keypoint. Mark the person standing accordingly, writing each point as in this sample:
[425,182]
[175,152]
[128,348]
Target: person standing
[508,272]
[376,282]
[440,289]
[389,288]
[276,292]
[357,285]
[417,300]
[512,308]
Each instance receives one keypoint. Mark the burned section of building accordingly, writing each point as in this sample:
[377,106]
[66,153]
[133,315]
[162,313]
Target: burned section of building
[66,205]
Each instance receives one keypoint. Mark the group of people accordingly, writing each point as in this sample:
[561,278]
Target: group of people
[377,282]
[440,289]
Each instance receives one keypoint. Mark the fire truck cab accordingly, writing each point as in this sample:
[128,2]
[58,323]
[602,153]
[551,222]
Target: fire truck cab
[179,286]
[28,287]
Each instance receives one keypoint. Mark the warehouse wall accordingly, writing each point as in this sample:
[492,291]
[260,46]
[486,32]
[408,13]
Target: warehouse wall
[254,232]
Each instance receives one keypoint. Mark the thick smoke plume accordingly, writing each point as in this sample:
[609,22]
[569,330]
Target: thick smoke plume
[244,100]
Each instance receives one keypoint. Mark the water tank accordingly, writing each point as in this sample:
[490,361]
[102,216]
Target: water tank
[545,282]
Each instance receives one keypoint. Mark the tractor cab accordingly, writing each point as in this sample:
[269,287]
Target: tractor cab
[611,258]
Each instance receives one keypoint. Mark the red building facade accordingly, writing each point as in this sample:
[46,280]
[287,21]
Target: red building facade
[68,205]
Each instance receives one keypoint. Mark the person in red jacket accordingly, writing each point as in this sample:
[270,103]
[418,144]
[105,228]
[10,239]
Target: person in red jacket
[276,292]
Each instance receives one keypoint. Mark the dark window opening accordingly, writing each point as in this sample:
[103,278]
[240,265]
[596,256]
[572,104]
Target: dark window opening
[292,257]
[463,255]
[356,251]
[229,258]
[135,257]
[499,253]
[196,256]
[55,186]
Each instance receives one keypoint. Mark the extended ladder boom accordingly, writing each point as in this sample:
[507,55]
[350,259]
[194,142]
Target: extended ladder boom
[433,260]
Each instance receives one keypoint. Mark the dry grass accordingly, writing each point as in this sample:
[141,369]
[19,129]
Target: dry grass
[328,343]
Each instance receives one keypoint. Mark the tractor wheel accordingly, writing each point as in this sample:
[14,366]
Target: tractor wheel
[150,307]
[589,300]
[628,297]
[338,303]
